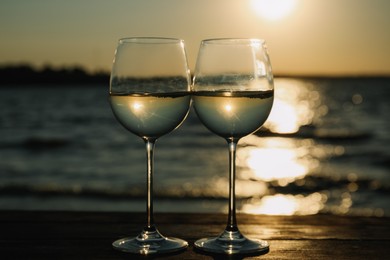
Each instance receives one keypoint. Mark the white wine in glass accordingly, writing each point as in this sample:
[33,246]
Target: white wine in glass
[150,97]
[233,94]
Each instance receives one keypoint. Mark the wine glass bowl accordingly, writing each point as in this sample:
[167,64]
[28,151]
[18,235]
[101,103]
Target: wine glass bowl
[233,94]
[150,97]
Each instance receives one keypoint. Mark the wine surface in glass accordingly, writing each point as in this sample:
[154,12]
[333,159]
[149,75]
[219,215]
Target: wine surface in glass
[233,114]
[151,115]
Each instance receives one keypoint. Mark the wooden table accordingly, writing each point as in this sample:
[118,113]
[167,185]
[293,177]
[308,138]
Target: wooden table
[88,235]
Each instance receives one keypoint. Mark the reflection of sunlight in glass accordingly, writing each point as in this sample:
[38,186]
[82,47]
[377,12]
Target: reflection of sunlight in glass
[136,107]
[228,107]
[286,204]
[293,107]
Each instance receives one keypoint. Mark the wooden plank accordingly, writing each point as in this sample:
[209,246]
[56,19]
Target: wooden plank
[88,235]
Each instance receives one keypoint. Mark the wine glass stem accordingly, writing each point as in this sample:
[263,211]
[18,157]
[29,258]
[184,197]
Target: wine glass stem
[149,205]
[232,222]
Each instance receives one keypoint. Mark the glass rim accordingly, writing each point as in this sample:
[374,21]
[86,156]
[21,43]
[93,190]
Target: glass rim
[150,40]
[228,41]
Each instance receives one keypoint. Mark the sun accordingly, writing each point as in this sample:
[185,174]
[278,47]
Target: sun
[273,9]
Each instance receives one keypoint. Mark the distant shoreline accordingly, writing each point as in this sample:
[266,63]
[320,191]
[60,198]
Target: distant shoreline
[27,75]
[16,75]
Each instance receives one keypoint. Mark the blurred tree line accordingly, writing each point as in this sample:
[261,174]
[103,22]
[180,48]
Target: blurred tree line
[24,74]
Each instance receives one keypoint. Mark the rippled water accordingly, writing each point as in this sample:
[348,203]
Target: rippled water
[324,149]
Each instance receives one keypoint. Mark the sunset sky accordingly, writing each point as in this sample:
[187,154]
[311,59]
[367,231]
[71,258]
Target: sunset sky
[310,37]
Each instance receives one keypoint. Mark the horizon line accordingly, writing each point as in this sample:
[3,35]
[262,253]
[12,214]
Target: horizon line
[40,69]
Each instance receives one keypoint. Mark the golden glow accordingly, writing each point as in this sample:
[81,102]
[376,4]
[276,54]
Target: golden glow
[228,107]
[273,9]
[275,159]
[294,106]
[284,118]
[275,164]
[136,107]
[280,204]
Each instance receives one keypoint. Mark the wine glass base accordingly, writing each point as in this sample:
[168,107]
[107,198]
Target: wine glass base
[231,243]
[150,242]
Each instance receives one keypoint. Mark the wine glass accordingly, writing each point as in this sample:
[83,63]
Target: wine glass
[150,97]
[232,95]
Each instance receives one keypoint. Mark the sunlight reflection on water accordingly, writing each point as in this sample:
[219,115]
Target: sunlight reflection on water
[292,162]
[284,160]
[293,106]
[275,159]
[280,204]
